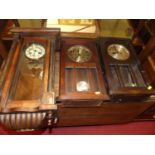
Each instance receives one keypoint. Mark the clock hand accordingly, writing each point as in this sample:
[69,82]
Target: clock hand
[114,52]
[33,46]
[116,49]
[78,58]
[80,51]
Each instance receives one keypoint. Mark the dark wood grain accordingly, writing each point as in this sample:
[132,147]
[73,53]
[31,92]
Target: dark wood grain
[107,113]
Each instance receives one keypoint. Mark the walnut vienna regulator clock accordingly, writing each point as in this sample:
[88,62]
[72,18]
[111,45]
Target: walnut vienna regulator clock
[27,93]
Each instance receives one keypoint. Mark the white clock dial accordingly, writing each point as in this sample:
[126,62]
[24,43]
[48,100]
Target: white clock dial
[35,51]
[82,86]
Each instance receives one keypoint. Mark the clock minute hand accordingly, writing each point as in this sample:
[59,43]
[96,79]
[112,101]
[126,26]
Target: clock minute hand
[33,46]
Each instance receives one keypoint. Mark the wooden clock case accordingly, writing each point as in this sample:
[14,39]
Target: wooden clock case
[127,80]
[27,91]
[72,72]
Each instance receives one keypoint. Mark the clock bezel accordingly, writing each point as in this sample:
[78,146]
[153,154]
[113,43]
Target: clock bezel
[79,46]
[27,45]
[126,50]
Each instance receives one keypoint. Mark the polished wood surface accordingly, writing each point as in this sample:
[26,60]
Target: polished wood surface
[107,113]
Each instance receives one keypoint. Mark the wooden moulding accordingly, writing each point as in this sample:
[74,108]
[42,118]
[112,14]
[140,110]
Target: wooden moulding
[47,66]
[22,105]
[9,77]
[51,32]
[35,30]
[28,106]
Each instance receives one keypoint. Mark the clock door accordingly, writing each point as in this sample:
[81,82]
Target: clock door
[28,82]
[30,79]
[81,76]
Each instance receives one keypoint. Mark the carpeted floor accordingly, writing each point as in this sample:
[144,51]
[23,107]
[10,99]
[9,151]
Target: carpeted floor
[134,128]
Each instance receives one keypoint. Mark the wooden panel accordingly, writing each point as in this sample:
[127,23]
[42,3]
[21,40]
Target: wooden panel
[108,113]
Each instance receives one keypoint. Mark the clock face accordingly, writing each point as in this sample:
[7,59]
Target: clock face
[82,86]
[118,52]
[79,53]
[35,51]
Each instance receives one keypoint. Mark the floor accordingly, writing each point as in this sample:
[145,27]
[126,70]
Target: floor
[134,128]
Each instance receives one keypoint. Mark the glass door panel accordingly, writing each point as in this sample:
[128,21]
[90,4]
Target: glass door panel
[27,83]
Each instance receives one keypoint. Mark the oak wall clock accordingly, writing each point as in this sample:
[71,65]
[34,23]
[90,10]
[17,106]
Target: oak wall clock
[81,75]
[126,78]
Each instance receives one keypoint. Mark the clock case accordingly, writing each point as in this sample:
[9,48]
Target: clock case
[71,72]
[22,89]
[126,78]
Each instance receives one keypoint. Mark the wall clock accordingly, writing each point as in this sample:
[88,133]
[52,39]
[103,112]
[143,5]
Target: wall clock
[28,84]
[123,71]
[81,75]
